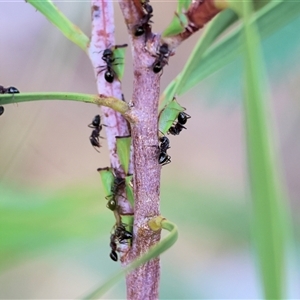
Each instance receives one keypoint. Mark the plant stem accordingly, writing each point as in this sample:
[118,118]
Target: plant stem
[143,282]
[111,102]
[102,37]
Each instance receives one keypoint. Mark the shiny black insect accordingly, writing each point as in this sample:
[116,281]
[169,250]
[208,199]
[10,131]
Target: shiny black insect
[181,120]
[144,25]
[9,90]
[95,136]
[118,183]
[113,245]
[108,58]
[120,235]
[163,157]
[162,58]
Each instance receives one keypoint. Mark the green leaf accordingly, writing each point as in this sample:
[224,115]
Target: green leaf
[266,187]
[203,61]
[119,55]
[35,221]
[129,189]
[107,178]
[179,21]
[168,115]
[177,25]
[55,16]
[153,252]
[123,150]
[183,5]
[217,26]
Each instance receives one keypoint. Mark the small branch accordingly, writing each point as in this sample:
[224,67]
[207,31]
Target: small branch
[134,16]
[199,14]
[111,102]
[102,37]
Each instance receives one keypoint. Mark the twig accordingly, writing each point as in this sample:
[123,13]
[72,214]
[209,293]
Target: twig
[102,37]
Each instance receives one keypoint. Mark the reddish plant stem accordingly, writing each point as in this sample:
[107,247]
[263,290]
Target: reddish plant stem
[143,282]
[199,14]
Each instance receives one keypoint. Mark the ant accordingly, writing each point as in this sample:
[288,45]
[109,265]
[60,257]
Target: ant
[113,245]
[161,59]
[118,183]
[108,58]
[120,235]
[163,157]
[9,90]
[181,120]
[144,22]
[97,126]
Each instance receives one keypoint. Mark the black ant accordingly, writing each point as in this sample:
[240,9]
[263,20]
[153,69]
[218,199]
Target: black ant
[108,58]
[181,120]
[162,58]
[113,245]
[9,90]
[163,157]
[97,126]
[118,183]
[144,22]
[120,235]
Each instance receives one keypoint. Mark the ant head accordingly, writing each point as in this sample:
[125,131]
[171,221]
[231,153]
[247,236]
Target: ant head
[111,204]
[96,121]
[164,49]
[164,139]
[107,52]
[182,118]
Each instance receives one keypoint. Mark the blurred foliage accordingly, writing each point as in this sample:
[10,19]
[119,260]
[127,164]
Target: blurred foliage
[33,220]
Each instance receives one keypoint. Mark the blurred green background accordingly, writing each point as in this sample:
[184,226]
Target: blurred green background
[54,226]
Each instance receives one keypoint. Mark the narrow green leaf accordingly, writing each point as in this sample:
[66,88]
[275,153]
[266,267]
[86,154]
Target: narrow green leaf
[183,5]
[179,21]
[168,115]
[177,25]
[266,188]
[107,178]
[203,61]
[123,150]
[129,189]
[55,16]
[128,220]
[217,26]
[119,55]
[153,252]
